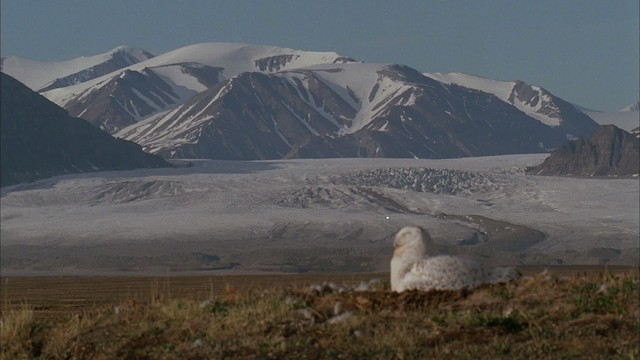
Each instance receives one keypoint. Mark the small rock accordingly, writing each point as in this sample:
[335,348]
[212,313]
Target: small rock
[337,308]
[340,318]
[197,343]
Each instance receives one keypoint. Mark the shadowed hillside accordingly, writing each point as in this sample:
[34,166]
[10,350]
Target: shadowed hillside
[40,139]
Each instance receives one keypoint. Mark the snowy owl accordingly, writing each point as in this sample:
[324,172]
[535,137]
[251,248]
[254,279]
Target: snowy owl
[414,267]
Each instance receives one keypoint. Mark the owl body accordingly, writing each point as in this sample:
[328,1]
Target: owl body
[413,268]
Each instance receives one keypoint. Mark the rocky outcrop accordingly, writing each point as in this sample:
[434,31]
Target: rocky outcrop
[610,151]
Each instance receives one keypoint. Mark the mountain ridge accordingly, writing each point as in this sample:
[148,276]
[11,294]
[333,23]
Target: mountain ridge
[43,74]
[235,101]
[340,110]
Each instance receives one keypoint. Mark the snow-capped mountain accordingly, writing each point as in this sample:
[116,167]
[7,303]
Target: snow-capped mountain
[45,75]
[127,95]
[238,101]
[118,101]
[342,110]
[530,99]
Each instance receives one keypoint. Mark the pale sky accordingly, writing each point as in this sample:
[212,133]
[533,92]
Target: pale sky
[584,51]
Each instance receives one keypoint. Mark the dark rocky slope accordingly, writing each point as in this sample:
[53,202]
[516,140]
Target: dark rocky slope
[610,151]
[40,139]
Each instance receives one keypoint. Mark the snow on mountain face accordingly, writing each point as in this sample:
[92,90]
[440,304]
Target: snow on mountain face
[51,74]
[340,110]
[501,89]
[187,71]
[316,101]
[368,89]
[532,100]
[238,58]
[230,59]
[116,102]
[238,101]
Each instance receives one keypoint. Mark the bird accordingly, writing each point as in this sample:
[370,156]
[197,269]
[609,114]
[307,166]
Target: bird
[413,266]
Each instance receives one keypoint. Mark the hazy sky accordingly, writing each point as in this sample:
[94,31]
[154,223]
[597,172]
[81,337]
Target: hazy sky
[584,51]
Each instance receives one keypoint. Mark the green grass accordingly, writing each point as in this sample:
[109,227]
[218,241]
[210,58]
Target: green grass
[593,316]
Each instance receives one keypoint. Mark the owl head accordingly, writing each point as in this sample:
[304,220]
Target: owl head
[415,238]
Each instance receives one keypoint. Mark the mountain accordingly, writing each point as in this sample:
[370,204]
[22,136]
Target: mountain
[46,75]
[123,97]
[530,99]
[610,151]
[342,110]
[239,101]
[39,140]
[122,100]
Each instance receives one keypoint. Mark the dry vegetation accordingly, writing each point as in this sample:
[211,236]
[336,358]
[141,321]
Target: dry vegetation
[594,315]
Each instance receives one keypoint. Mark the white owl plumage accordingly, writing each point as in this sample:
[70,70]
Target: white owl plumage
[414,267]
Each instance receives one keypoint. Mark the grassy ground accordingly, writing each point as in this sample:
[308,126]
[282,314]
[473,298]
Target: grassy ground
[583,315]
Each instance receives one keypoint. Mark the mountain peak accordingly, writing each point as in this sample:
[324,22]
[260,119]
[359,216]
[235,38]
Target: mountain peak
[138,54]
[45,75]
[633,107]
